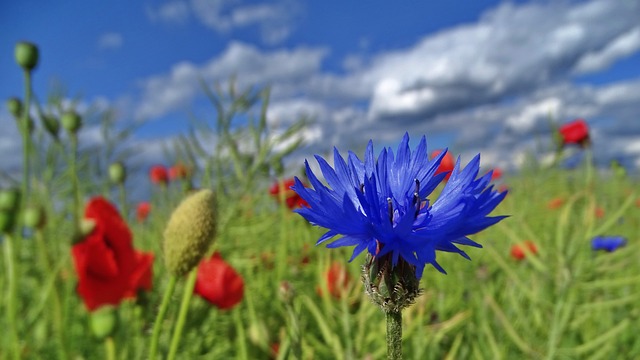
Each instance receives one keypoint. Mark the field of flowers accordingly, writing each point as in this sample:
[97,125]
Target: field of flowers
[217,263]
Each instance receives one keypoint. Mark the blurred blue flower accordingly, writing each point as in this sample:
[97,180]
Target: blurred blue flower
[381,204]
[608,243]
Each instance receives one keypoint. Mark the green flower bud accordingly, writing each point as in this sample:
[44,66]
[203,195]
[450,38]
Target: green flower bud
[15,106]
[117,173]
[71,121]
[103,322]
[34,217]
[7,221]
[9,199]
[51,124]
[26,55]
[190,231]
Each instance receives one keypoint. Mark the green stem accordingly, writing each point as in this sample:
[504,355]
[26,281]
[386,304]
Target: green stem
[73,167]
[394,335]
[56,314]
[26,138]
[182,315]
[157,325]
[123,201]
[11,295]
[110,348]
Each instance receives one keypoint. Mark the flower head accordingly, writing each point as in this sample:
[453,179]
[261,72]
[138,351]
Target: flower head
[109,268]
[291,198]
[159,175]
[519,251]
[142,211]
[179,172]
[218,283]
[337,279]
[381,204]
[608,243]
[575,132]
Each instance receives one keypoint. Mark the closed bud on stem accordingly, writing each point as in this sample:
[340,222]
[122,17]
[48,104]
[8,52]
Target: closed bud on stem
[190,231]
[51,124]
[392,288]
[15,107]
[103,322]
[26,55]
[117,173]
[9,199]
[34,217]
[71,121]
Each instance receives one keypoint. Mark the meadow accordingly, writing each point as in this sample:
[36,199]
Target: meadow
[538,289]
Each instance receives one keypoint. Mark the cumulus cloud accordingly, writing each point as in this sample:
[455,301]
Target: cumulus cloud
[493,85]
[275,20]
[110,40]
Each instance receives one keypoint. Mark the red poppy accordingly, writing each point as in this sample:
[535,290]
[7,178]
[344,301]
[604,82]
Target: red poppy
[218,283]
[446,165]
[337,280]
[599,212]
[555,203]
[142,211]
[109,268]
[275,349]
[575,132]
[291,198]
[178,171]
[497,174]
[158,174]
[518,250]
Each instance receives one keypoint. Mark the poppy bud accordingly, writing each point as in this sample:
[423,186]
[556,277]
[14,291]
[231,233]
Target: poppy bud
[9,199]
[71,121]
[117,173]
[190,231]
[35,217]
[103,321]
[26,55]
[51,124]
[15,106]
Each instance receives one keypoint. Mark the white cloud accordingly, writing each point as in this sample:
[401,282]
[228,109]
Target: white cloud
[110,40]
[275,20]
[624,45]
[170,12]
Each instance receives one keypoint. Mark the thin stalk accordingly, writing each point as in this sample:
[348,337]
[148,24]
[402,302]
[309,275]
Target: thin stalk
[11,295]
[157,325]
[394,335]
[56,314]
[182,315]
[73,166]
[123,200]
[26,138]
[109,348]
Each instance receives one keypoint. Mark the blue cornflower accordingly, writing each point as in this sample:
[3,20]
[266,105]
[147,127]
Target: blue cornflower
[608,243]
[381,204]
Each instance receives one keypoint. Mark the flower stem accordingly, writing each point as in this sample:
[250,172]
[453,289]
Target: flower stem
[9,260]
[182,315]
[394,335]
[123,200]
[26,138]
[109,348]
[157,325]
[73,166]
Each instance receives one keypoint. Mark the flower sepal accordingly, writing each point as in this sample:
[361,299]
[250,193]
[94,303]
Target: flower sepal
[392,288]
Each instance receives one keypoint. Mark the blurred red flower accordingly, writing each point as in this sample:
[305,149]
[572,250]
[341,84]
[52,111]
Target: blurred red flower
[446,165]
[518,250]
[178,172]
[497,174]
[291,198]
[218,283]
[142,211]
[555,203]
[337,280]
[158,174]
[599,212]
[575,132]
[109,268]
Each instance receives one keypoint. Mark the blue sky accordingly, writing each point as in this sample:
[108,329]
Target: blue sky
[477,76]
